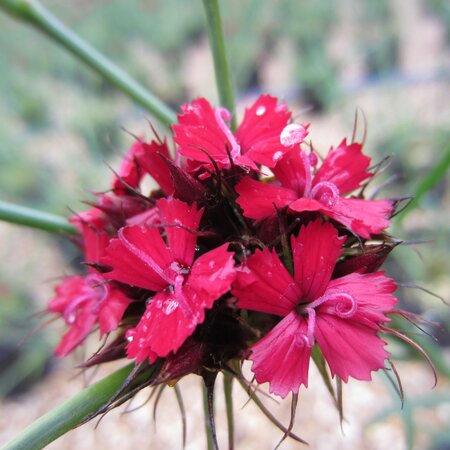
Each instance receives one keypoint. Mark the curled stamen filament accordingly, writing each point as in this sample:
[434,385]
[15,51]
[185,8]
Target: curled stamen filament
[345,307]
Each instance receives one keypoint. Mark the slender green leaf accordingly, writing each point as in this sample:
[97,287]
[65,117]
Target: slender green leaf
[228,392]
[32,218]
[67,416]
[34,13]
[217,42]
[429,181]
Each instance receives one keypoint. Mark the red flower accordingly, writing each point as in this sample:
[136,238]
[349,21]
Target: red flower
[342,172]
[203,133]
[183,288]
[84,301]
[342,315]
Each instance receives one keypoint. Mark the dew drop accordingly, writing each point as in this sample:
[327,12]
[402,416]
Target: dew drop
[71,318]
[169,307]
[130,338]
[277,155]
[260,110]
[292,134]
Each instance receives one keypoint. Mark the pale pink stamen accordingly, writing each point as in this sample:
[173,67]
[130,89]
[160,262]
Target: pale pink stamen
[344,308]
[311,326]
[308,178]
[221,115]
[326,193]
[179,295]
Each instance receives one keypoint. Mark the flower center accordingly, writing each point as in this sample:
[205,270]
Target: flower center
[341,304]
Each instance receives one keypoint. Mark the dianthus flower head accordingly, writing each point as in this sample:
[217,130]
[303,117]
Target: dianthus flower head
[203,134]
[301,188]
[342,315]
[181,288]
[217,263]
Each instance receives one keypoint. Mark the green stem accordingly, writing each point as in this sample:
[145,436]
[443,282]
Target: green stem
[67,416]
[29,217]
[228,391]
[217,42]
[427,183]
[208,431]
[33,12]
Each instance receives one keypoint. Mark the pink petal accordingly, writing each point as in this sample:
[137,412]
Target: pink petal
[259,132]
[77,333]
[292,172]
[281,358]
[199,130]
[181,223]
[129,172]
[363,217]
[349,347]
[211,275]
[307,204]
[65,292]
[346,166]
[166,324]
[150,161]
[372,293]
[95,243]
[257,199]
[315,252]
[138,257]
[136,348]
[112,310]
[93,217]
[264,284]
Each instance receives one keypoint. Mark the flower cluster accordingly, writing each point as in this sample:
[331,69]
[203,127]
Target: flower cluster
[250,246]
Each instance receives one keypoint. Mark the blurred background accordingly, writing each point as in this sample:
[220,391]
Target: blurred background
[62,125]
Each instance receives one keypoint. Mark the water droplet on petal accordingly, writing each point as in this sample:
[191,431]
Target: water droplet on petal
[170,306]
[260,110]
[70,318]
[292,134]
[130,338]
[277,155]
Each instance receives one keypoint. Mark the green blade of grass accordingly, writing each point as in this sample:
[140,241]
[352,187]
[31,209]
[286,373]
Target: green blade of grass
[21,215]
[217,42]
[32,12]
[67,416]
[428,182]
